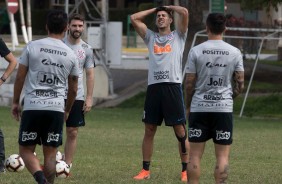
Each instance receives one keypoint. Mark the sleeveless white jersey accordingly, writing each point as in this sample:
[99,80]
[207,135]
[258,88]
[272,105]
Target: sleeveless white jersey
[214,63]
[49,63]
[165,56]
[85,58]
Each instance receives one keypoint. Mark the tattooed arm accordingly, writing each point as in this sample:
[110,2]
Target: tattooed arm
[238,83]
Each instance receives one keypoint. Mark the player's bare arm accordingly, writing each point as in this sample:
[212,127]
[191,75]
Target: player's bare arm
[182,24]
[18,86]
[10,58]
[190,81]
[72,91]
[238,83]
[89,90]
[137,21]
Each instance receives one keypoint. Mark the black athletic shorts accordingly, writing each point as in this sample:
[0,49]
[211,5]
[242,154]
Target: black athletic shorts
[41,127]
[76,116]
[164,101]
[206,125]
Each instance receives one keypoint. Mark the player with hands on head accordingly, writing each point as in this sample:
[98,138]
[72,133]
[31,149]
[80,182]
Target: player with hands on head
[214,77]
[46,67]
[164,97]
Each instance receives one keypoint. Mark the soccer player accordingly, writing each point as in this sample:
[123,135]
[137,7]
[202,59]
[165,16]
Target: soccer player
[214,77]
[46,67]
[10,58]
[164,98]
[82,104]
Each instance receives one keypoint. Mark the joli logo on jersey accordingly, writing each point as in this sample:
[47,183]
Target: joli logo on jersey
[47,79]
[215,81]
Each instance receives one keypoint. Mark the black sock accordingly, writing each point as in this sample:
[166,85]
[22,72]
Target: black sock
[146,165]
[184,166]
[39,177]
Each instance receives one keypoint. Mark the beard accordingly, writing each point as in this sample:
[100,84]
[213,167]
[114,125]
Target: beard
[75,34]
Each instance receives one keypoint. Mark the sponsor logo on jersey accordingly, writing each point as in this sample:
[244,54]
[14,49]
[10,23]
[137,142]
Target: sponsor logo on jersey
[215,81]
[213,97]
[159,75]
[210,65]
[52,51]
[53,137]
[195,132]
[46,103]
[213,105]
[47,79]
[84,46]
[160,50]
[220,135]
[28,136]
[216,52]
[48,62]
[46,93]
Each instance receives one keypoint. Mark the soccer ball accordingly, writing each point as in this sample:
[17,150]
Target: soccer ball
[62,169]
[59,156]
[14,163]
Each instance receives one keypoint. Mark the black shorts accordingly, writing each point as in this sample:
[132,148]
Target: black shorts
[206,125]
[76,116]
[164,101]
[41,127]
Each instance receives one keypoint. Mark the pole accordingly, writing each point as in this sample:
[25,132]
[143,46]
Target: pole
[23,27]
[28,14]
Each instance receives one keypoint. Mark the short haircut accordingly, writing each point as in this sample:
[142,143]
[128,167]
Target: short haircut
[76,16]
[57,21]
[216,23]
[162,8]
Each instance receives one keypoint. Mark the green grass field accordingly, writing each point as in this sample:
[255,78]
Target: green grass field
[109,151]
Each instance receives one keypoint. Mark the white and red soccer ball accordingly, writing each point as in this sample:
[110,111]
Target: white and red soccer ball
[14,163]
[62,169]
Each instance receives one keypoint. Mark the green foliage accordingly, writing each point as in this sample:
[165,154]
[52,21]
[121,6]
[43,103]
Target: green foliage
[109,151]
[259,4]
[260,106]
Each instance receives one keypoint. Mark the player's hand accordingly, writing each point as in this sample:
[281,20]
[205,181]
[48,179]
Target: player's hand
[16,111]
[66,116]
[87,105]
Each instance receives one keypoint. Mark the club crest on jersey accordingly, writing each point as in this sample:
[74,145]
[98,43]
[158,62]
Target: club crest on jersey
[80,54]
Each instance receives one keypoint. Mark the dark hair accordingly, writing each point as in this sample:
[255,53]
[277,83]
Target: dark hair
[162,8]
[76,16]
[216,23]
[57,21]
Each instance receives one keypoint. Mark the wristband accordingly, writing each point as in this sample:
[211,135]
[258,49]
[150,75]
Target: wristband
[3,79]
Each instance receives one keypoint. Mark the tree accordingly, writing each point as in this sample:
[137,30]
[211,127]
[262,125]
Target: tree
[259,4]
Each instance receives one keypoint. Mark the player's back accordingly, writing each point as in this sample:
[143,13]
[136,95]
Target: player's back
[49,63]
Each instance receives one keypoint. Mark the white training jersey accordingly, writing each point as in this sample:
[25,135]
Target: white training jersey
[214,63]
[49,63]
[85,58]
[165,56]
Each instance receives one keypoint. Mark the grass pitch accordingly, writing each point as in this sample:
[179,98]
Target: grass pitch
[109,151]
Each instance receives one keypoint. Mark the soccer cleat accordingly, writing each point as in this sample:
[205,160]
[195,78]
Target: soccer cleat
[184,176]
[143,175]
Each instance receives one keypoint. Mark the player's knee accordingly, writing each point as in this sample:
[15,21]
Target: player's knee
[72,132]
[182,140]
